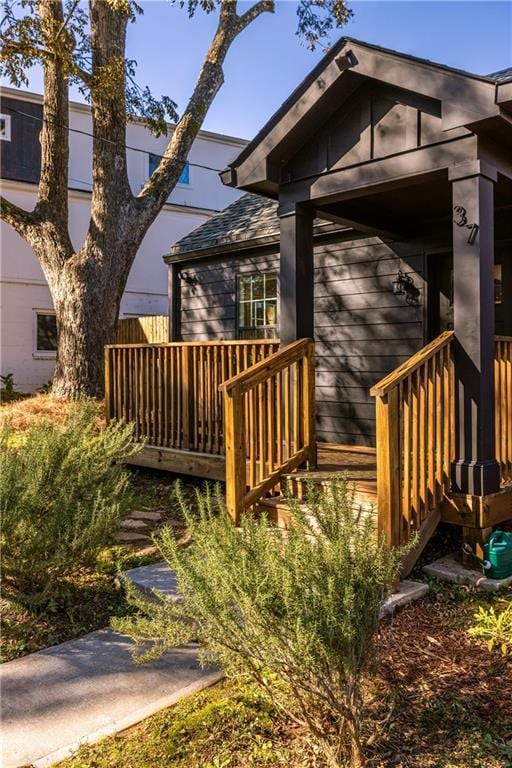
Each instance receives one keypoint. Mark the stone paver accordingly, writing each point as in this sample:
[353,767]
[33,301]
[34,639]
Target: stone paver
[134,524]
[449,568]
[77,692]
[404,593]
[145,514]
[129,537]
[157,576]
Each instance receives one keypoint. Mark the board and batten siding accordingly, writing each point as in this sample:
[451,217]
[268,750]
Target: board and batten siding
[362,331]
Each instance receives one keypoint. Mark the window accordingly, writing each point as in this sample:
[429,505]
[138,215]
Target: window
[46,333]
[257,306]
[5,127]
[185,174]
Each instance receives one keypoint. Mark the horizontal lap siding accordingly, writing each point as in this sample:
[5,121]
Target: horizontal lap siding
[362,331]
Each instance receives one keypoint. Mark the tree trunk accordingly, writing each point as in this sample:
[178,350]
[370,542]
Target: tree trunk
[86,298]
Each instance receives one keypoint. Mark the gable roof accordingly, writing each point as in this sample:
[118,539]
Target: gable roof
[463,99]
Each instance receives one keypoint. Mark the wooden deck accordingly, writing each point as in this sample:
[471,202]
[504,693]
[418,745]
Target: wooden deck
[244,412]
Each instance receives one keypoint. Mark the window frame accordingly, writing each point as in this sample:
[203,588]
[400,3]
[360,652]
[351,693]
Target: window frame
[6,136]
[184,184]
[43,354]
[240,329]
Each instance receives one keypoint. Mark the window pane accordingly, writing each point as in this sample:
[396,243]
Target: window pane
[259,314]
[153,162]
[271,312]
[185,174]
[245,314]
[245,288]
[271,287]
[46,333]
[257,286]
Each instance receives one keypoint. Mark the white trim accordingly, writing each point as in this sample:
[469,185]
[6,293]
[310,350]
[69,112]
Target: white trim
[6,135]
[86,193]
[41,354]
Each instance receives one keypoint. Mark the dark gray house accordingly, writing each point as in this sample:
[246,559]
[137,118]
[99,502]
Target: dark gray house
[374,244]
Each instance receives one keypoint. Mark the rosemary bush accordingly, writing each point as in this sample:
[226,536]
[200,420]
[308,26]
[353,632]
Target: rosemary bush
[62,488]
[297,611]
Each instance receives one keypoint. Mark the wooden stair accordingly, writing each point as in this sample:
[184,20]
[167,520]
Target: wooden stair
[357,464]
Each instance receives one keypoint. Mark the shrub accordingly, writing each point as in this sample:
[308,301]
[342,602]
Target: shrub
[494,627]
[62,487]
[297,611]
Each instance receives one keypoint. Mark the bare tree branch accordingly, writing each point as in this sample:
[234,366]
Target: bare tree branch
[211,77]
[20,220]
[263,6]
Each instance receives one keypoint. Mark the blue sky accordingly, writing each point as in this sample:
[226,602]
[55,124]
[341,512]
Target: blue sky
[268,61]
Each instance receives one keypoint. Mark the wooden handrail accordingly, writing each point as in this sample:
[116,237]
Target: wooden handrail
[219,343]
[414,362]
[269,417]
[262,370]
[415,442]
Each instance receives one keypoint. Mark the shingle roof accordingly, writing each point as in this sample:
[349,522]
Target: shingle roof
[502,75]
[248,217]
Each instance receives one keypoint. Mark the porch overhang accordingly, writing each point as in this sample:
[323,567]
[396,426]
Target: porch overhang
[463,102]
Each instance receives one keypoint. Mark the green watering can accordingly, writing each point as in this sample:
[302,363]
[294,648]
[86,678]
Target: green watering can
[498,552]
[497,561]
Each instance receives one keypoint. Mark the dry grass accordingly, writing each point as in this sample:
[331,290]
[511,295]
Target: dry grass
[24,413]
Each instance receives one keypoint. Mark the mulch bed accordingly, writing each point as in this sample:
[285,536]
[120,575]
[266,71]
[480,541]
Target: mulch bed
[445,699]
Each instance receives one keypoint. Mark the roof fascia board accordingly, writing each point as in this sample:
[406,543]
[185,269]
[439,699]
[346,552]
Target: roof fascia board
[254,166]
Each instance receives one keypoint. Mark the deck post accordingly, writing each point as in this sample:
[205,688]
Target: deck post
[475,470]
[234,431]
[296,273]
[388,467]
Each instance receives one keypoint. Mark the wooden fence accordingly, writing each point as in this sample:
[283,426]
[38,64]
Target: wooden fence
[270,424]
[503,405]
[171,391]
[150,329]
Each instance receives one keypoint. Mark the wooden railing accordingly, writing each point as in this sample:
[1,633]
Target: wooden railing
[415,439]
[150,329]
[171,391]
[503,405]
[269,413]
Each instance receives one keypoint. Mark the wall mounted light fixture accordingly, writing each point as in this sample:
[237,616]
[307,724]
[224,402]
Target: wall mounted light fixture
[187,278]
[403,285]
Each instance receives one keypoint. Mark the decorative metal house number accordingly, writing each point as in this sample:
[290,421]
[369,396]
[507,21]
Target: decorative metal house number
[461,220]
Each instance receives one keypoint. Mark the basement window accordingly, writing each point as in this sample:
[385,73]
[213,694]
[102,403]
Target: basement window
[257,306]
[45,334]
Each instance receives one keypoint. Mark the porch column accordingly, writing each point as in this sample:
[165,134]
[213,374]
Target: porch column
[296,274]
[475,470]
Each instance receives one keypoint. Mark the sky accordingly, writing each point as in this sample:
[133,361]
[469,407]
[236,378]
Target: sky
[268,60]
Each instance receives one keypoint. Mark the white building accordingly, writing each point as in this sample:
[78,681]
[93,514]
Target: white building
[26,311]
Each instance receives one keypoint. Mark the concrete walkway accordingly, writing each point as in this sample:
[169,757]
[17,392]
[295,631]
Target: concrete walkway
[78,692]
